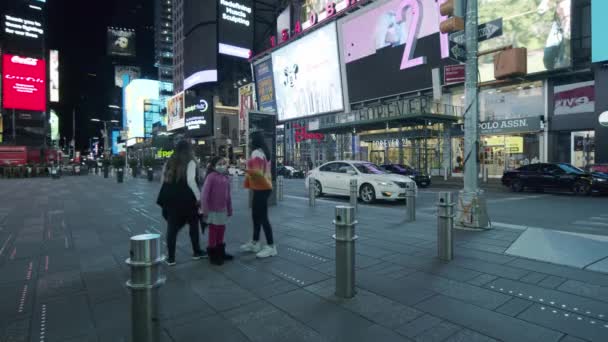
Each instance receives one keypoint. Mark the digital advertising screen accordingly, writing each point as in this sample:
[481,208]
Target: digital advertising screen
[54,75]
[17,26]
[199,112]
[541,26]
[23,83]
[115,136]
[121,42]
[54,124]
[132,72]
[264,86]
[391,47]
[246,104]
[235,20]
[307,75]
[599,39]
[175,112]
[136,93]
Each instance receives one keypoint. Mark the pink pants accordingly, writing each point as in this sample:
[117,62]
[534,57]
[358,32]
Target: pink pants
[216,235]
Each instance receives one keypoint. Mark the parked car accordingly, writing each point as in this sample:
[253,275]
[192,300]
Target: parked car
[597,168]
[373,182]
[555,176]
[421,179]
[289,172]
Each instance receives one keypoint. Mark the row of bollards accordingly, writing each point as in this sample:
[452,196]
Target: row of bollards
[146,257]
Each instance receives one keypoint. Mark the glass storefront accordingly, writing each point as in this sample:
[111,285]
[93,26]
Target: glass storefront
[582,147]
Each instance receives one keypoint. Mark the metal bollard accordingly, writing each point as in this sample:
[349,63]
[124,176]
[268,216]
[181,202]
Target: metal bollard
[445,173]
[354,194]
[146,279]
[410,202]
[280,188]
[311,192]
[485,174]
[345,251]
[445,226]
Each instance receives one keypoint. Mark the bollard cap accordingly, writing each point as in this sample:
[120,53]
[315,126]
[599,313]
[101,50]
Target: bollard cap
[444,198]
[345,215]
[145,248]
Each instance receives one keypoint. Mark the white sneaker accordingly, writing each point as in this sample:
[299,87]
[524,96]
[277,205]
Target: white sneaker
[267,251]
[252,246]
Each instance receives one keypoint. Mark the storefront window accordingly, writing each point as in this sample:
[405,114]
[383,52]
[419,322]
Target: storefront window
[582,148]
[500,153]
[517,101]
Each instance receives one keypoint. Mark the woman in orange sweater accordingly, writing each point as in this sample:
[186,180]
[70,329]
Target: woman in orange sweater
[258,179]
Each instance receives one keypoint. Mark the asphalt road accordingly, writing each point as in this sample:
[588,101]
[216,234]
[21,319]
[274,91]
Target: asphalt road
[564,212]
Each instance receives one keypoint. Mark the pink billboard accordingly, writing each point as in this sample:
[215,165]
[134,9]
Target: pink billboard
[390,48]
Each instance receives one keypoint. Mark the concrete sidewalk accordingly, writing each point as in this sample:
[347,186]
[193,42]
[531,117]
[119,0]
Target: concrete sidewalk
[63,244]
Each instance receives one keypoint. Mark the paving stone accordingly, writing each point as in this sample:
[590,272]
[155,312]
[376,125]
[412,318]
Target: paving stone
[564,321]
[438,333]
[552,282]
[514,307]
[495,325]
[533,278]
[15,330]
[556,299]
[419,325]
[466,335]
[221,293]
[19,270]
[213,328]
[178,299]
[482,279]
[59,283]
[561,271]
[16,299]
[569,338]
[402,292]
[584,289]
[483,256]
[491,268]
[61,318]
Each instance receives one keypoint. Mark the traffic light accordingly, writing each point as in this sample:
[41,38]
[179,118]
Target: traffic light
[453,9]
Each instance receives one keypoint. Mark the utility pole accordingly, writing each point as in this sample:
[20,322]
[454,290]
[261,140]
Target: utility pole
[472,210]
[74,132]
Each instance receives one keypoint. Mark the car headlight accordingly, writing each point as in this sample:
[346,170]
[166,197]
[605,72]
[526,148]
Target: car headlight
[599,180]
[383,183]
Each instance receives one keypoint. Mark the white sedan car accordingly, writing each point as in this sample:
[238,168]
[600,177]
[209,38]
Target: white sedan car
[374,183]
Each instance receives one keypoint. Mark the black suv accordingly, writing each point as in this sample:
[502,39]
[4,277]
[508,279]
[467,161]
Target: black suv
[555,176]
[421,179]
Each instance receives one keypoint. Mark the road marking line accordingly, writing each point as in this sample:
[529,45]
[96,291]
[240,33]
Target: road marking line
[591,223]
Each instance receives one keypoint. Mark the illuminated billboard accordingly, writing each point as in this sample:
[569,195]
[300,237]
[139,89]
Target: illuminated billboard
[21,27]
[121,42]
[175,112]
[132,72]
[235,27]
[54,75]
[24,83]
[54,124]
[136,93]
[541,26]
[307,75]
[198,110]
[599,39]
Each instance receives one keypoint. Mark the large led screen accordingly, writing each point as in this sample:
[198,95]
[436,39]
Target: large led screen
[235,21]
[307,75]
[175,112]
[135,93]
[24,83]
[198,112]
[121,42]
[541,26]
[599,38]
[391,47]
[264,86]
[54,75]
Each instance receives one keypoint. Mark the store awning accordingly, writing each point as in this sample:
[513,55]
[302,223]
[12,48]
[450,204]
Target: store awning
[404,112]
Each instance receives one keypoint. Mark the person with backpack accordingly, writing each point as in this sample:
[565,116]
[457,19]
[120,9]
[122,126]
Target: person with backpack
[179,198]
[216,207]
[258,179]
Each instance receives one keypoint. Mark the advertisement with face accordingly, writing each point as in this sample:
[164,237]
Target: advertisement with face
[132,72]
[199,112]
[390,48]
[24,83]
[541,26]
[307,75]
[246,104]
[54,75]
[121,42]
[135,95]
[264,86]
[175,112]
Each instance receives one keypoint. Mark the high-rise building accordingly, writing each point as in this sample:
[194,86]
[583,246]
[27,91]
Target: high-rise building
[163,42]
[178,45]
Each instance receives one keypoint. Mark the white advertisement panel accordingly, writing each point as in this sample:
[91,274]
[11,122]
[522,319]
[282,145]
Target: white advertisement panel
[307,75]
[175,112]
[54,75]
[575,98]
[135,93]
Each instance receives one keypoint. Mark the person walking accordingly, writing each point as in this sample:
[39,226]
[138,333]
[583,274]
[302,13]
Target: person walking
[258,180]
[179,197]
[216,207]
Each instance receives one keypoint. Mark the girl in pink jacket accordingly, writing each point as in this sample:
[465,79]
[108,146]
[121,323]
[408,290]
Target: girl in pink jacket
[216,207]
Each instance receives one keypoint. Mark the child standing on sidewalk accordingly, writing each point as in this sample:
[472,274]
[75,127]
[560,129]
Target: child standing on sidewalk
[216,207]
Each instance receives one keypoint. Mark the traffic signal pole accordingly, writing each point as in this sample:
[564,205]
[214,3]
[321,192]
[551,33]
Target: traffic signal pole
[472,209]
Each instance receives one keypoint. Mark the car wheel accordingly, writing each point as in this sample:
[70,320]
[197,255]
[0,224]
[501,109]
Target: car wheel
[318,189]
[367,193]
[517,186]
[581,188]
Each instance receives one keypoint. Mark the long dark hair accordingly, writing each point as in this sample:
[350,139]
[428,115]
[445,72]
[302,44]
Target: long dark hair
[257,142]
[177,165]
